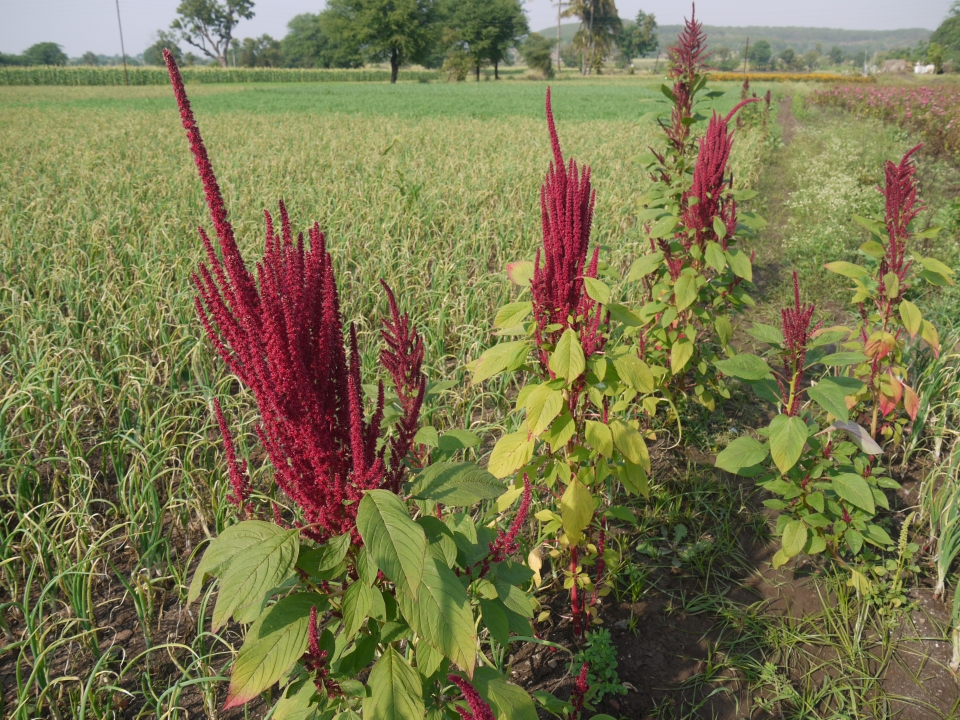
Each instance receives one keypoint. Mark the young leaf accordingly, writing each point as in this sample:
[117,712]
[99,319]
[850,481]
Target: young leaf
[498,358]
[744,452]
[456,484]
[685,291]
[788,435]
[599,437]
[744,367]
[567,360]
[855,490]
[513,314]
[511,453]
[520,272]
[644,265]
[597,290]
[635,372]
[576,509]
[630,442]
[397,543]
[912,319]
[396,690]
[680,355]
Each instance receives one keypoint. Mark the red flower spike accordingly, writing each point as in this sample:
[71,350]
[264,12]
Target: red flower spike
[796,336]
[900,193]
[239,480]
[283,337]
[506,542]
[579,695]
[687,61]
[559,297]
[479,710]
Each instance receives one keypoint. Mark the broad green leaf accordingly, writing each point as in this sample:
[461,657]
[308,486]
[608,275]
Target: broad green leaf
[663,227]
[543,404]
[630,442]
[273,644]
[719,228]
[560,431]
[891,284]
[644,265]
[912,319]
[576,510]
[231,542]
[440,612]
[520,272]
[788,435]
[873,226]
[634,479]
[455,439]
[739,262]
[456,484]
[714,256]
[830,394]
[794,538]
[724,329]
[298,702]
[685,291]
[512,314]
[427,435]
[877,535]
[597,290]
[744,367]
[507,701]
[599,437]
[357,601]
[396,690]
[623,314]
[766,333]
[744,452]
[495,619]
[930,335]
[855,490]
[635,373]
[428,659]
[935,266]
[844,358]
[873,249]
[680,355]
[567,360]
[397,543]
[250,575]
[511,453]
[499,358]
[847,269]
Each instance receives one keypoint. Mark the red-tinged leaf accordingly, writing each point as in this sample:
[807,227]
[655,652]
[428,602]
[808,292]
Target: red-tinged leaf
[879,345]
[520,272]
[887,405]
[911,402]
[896,386]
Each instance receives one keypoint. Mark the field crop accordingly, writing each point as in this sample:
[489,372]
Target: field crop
[111,462]
[817,77]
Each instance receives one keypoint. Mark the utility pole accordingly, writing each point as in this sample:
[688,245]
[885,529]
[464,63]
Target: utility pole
[745,54]
[126,76]
[559,9]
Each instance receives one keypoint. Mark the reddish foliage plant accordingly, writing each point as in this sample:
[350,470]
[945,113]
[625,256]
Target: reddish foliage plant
[282,335]
[795,324]
[687,63]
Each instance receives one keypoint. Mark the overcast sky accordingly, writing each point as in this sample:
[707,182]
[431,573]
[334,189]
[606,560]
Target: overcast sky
[81,25]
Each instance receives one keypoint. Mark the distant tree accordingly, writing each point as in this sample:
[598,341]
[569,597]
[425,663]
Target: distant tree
[836,55]
[263,51]
[725,59]
[508,21]
[947,36]
[484,30]
[860,58]
[935,57]
[537,53]
[394,31]
[788,56]
[89,58]
[153,55]
[641,39]
[45,53]
[760,54]
[600,26]
[819,49]
[314,41]
[6,59]
[810,60]
[208,24]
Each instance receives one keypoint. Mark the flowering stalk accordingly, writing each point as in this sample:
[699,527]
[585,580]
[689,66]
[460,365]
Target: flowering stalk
[579,696]
[795,324]
[687,63]
[479,709]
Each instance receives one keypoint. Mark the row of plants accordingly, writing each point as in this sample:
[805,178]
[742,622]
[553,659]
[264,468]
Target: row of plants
[819,77]
[57,75]
[403,574]
[928,110]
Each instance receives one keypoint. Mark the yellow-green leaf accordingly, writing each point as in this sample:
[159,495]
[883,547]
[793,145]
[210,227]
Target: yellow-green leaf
[846,269]
[635,372]
[543,405]
[597,290]
[567,360]
[513,314]
[599,437]
[576,510]
[396,690]
[680,355]
[912,319]
[788,435]
[511,453]
[630,442]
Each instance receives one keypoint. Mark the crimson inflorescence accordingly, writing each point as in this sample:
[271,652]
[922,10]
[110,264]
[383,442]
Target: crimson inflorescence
[687,62]
[506,542]
[900,195]
[479,709]
[557,288]
[283,337]
[579,695]
[796,337]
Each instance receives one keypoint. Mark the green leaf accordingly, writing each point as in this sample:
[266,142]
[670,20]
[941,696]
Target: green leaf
[427,435]
[872,225]
[794,538]
[744,452]
[912,319]
[396,691]
[623,314]
[499,358]
[507,701]
[298,702]
[511,453]
[635,372]
[599,437]
[440,612]
[744,367]
[873,249]
[719,228]
[495,618]
[788,435]
[230,543]
[685,291]
[428,659]
[397,543]
[576,510]
[644,265]
[257,570]
[739,262]
[841,359]
[357,601]
[520,272]
[724,329]
[935,266]
[878,536]
[567,360]
[663,227]
[513,314]
[630,442]
[273,645]
[634,479]
[680,355]
[597,290]
[766,333]
[454,440]
[855,490]
[830,394]
[543,404]
[847,269]
[560,431]
[456,484]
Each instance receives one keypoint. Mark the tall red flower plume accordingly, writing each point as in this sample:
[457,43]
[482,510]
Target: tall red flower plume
[559,295]
[283,337]
[479,710]
[687,61]
[900,194]
[797,333]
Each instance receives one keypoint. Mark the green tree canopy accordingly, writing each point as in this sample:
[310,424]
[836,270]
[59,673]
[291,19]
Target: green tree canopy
[263,51]
[315,41]
[394,31]
[90,58]
[600,26]
[537,53]
[45,53]
[153,55]
[760,54]
[485,30]
[208,24]
[947,36]
[641,39]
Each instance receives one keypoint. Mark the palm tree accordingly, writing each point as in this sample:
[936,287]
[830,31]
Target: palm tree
[599,26]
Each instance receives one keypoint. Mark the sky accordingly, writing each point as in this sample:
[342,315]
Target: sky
[82,25]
